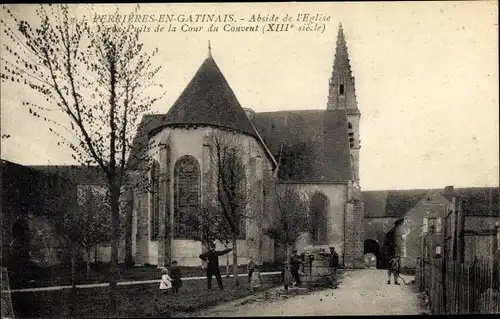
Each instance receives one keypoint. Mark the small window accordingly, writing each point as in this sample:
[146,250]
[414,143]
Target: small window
[349,125]
[341,89]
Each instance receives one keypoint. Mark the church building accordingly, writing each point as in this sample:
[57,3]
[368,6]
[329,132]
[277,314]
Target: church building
[313,150]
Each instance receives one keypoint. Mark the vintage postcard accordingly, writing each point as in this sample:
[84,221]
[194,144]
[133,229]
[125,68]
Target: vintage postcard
[250,159]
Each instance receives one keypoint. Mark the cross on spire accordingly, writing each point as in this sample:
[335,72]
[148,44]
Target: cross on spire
[209,49]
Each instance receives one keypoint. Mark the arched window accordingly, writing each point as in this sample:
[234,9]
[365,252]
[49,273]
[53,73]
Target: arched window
[186,193]
[319,222]
[341,87]
[155,200]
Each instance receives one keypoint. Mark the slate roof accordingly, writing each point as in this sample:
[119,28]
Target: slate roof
[26,189]
[310,146]
[209,100]
[76,174]
[477,201]
[396,203]
[140,142]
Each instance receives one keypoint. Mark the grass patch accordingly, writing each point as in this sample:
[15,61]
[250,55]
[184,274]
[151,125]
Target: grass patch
[61,275]
[133,301]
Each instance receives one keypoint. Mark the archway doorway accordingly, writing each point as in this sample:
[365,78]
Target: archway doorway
[371,249]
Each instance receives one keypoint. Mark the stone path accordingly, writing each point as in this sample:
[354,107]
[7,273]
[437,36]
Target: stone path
[361,292]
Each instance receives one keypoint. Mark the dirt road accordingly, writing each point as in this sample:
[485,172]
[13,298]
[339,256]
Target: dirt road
[361,292]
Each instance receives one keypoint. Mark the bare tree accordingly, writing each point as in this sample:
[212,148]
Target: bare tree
[207,226]
[92,221]
[98,77]
[84,226]
[233,197]
[293,216]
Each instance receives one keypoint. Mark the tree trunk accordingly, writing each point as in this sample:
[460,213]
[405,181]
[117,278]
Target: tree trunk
[129,261]
[235,262]
[73,267]
[73,281]
[95,254]
[115,238]
[87,249]
[227,265]
[288,251]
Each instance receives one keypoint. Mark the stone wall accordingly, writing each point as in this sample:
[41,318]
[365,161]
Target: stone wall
[375,228]
[431,206]
[479,246]
[479,223]
[33,201]
[354,225]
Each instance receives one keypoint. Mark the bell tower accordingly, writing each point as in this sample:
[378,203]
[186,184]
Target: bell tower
[342,96]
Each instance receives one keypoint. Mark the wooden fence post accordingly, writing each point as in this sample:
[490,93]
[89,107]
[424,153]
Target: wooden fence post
[496,257]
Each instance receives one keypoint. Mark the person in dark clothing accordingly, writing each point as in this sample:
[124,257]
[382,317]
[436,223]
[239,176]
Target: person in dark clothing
[333,265]
[250,268]
[394,269]
[175,274]
[212,259]
[295,263]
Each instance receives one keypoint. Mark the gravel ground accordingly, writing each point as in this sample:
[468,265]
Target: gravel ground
[361,292]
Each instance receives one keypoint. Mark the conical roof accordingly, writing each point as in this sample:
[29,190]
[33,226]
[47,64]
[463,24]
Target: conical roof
[209,100]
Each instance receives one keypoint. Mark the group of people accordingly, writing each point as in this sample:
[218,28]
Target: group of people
[290,274]
[171,280]
[211,265]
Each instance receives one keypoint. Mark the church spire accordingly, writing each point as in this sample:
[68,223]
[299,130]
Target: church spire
[342,94]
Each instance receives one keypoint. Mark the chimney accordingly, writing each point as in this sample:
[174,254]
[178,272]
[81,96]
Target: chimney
[449,192]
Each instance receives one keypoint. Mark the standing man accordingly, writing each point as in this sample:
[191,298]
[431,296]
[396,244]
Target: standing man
[394,268]
[295,263]
[333,265]
[212,259]
[250,269]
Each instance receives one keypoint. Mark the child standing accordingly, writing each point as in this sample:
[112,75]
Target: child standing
[166,281]
[175,271]
[256,282]
[286,275]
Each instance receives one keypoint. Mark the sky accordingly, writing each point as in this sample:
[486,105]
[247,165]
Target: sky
[426,77]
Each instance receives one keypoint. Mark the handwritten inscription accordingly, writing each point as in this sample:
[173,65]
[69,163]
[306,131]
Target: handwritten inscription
[196,23]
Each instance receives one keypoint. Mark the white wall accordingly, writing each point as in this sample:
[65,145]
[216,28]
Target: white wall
[182,142]
[337,196]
